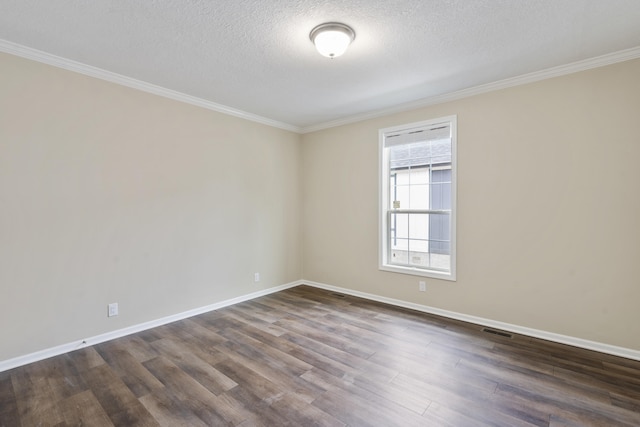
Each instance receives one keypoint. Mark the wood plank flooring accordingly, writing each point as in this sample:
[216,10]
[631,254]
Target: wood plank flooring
[308,357]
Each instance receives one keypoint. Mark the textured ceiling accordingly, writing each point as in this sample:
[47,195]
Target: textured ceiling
[255,55]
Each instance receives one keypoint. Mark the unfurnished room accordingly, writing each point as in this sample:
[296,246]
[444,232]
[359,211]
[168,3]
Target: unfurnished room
[320,213]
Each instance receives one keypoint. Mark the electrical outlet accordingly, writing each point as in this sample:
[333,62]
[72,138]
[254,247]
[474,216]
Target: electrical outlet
[422,286]
[113,309]
[256,277]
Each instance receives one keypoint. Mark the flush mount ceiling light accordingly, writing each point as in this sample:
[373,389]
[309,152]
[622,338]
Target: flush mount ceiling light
[332,38]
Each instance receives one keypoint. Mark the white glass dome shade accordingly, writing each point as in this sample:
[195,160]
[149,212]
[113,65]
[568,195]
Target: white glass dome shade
[332,39]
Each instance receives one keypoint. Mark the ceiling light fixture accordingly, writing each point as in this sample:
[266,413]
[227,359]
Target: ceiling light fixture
[332,38]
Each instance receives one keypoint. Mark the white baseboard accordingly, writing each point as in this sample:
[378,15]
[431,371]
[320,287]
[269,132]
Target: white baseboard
[65,348]
[549,336]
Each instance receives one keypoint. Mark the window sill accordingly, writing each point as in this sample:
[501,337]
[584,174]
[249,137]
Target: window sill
[418,272]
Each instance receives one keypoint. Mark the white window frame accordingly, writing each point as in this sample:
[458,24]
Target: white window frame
[384,203]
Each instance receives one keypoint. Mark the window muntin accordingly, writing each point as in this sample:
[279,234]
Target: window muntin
[417,212]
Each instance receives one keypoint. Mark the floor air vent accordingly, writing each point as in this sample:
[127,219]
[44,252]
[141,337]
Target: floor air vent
[337,295]
[494,332]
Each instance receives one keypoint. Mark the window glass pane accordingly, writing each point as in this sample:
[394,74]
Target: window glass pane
[418,255]
[402,177]
[439,261]
[441,196]
[418,240]
[401,194]
[419,226]
[419,197]
[400,225]
[440,234]
[419,175]
[400,251]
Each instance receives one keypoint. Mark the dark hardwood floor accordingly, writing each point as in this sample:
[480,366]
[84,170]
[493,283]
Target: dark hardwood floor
[307,357]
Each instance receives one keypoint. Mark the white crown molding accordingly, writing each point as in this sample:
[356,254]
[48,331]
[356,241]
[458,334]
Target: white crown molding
[88,70]
[574,67]
[549,336]
[15,362]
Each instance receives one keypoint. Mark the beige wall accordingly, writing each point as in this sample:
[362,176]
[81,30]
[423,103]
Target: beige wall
[108,194]
[548,207]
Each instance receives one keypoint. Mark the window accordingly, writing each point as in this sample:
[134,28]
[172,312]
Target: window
[418,198]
